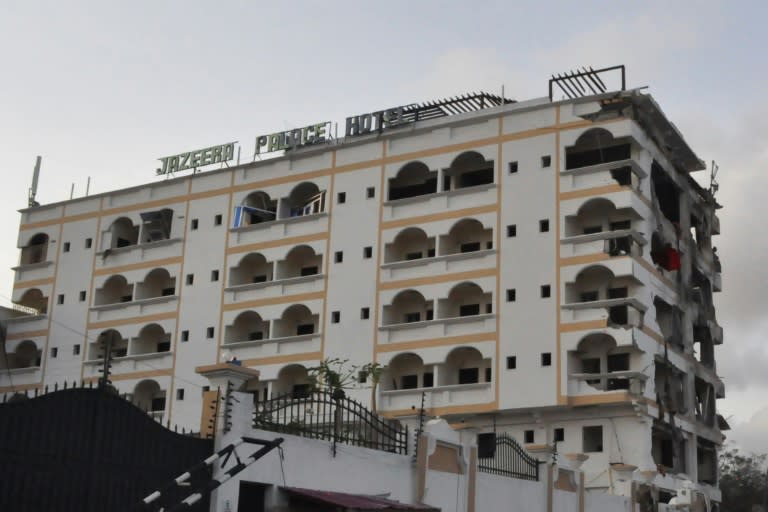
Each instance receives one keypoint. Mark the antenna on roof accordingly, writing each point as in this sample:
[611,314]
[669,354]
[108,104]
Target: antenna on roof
[33,189]
[714,186]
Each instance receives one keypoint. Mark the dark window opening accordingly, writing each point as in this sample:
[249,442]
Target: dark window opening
[209,332]
[167,292]
[184,335]
[593,439]
[66,247]
[619,315]
[217,220]
[413,256]
[511,295]
[512,167]
[621,225]
[190,279]
[666,193]
[335,317]
[469,375]
[75,351]
[370,192]
[163,346]
[575,158]
[54,351]
[180,394]
[367,252]
[430,315]
[470,247]
[158,404]
[362,377]
[592,230]
[409,382]
[544,225]
[488,308]
[214,275]
[469,310]
[622,175]
[365,313]
[341,197]
[429,379]
[60,299]
[412,317]
[546,161]
[305,271]
[476,178]
[511,362]
[511,230]
[303,329]
[546,291]
[300,391]
[338,257]
[589,296]
[559,435]
[546,359]
[192,226]
[621,292]
[430,253]
[255,336]
[528,436]
[88,243]
[82,296]
[488,374]
[428,185]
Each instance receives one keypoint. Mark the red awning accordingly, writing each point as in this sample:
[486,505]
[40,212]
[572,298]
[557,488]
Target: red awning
[356,501]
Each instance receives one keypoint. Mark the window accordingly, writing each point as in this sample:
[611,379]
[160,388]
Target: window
[66,247]
[209,332]
[76,350]
[618,362]
[488,374]
[429,379]
[430,315]
[184,335]
[180,394]
[592,438]
[190,279]
[618,293]
[303,329]
[512,167]
[88,243]
[412,317]
[544,225]
[546,291]
[528,436]
[305,271]
[620,225]
[546,359]
[591,230]
[469,310]
[341,197]
[430,253]
[54,351]
[217,220]
[488,308]
[193,224]
[590,296]
[60,299]
[82,296]
[511,295]
[370,192]
[255,336]
[559,435]
[413,256]
[470,247]
[214,275]
[338,256]
[365,313]
[546,161]
[367,252]
[335,317]
[409,382]
[511,230]
[362,377]
[511,362]
[469,375]
[163,346]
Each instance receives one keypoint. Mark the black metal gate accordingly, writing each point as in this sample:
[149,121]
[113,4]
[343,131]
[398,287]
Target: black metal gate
[510,459]
[87,450]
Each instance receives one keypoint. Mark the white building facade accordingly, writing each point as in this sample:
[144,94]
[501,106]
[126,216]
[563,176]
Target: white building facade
[544,268]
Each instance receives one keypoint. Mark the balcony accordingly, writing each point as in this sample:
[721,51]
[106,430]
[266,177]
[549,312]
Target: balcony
[34,271]
[625,172]
[582,384]
[300,344]
[621,242]
[282,287]
[27,323]
[134,308]
[624,312]
[481,195]
[443,396]
[131,363]
[438,265]
[281,228]
[440,328]
[21,376]
[22,365]
[138,253]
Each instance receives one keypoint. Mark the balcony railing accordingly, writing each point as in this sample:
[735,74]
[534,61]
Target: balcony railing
[281,228]
[439,328]
[136,253]
[468,197]
[277,288]
[130,363]
[438,396]
[30,271]
[438,265]
[621,172]
[304,343]
[626,312]
[589,383]
[614,243]
[121,310]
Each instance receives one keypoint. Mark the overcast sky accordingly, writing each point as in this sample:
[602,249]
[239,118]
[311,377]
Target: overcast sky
[102,89]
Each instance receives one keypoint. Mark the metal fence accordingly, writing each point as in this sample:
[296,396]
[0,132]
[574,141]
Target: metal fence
[510,459]
[336,418]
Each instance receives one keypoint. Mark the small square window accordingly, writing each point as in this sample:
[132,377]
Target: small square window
[54,351]
[88,243]
[511,362]
[511,295]
[512,167]
[511,230]
[184,335]
[214,275]
[593,438]
[546,291]
[367,252]
[190,279]
[217,219]
[338,257]
[341,197]
[66,247]
[546,161]
[544,225]
[335,317]
[546,359]
[76,350]
[559,434]
[370,192]
[60,299]
[528,436]
[193,224]
[82,296]
[180,394]
[365,313]
[488,308]
[209,332]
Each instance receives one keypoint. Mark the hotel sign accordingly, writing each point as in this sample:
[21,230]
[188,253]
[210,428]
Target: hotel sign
[292,139]
[375,121]
[199,158]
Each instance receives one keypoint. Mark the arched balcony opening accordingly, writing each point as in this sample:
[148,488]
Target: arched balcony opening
[300,261]
[467,235]
[26,355]
[408,306]
[597,146]
[468,169]
[412,180]
[410,244]
[598,215]
[252,268]
[34,299]
[464,365]
[119,344]
[156,225]
[124,233]
[116,289]
[465,299]
[151,339]
[305,199]
[36,251]
[596,354]
[592,284]
[248,326]
[157,283]
[257,207]
[407,371]
[297,320]
[292,379]
[148,395]
[665,193]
